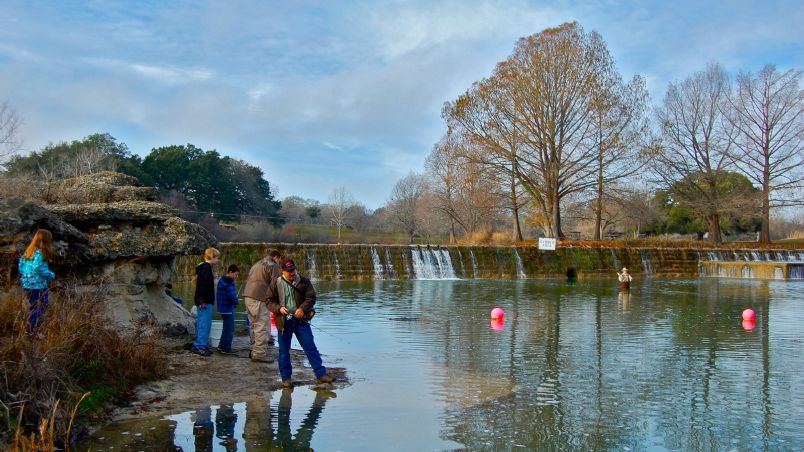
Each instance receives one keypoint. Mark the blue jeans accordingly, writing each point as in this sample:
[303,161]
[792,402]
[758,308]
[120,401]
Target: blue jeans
[38,300]
[203,323]
[304,334]
[227,333]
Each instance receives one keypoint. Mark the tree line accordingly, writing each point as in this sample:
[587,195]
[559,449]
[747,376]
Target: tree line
[189,178]
[555,132]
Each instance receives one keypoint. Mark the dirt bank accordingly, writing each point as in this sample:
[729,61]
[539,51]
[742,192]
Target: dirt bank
[194,381]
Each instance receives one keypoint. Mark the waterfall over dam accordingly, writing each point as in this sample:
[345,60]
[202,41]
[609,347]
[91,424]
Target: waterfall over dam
[393,262]
[377,262]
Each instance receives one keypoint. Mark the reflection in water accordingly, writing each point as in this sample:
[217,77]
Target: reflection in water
[251,421]
[576,367]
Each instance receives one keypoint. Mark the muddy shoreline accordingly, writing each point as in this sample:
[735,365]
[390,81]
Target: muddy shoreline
[194,381]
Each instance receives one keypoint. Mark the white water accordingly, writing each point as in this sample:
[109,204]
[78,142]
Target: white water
[378,268]
[337,265]
[389,265]
[519,269]
[474,264]
[432,264]
[645,262]
[311,265]
[460,261]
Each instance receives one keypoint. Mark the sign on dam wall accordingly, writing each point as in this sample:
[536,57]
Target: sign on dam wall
[393,262]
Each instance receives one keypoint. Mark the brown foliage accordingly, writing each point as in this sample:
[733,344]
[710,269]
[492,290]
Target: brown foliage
[77,349]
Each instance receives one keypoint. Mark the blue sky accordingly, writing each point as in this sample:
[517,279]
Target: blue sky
[328,94]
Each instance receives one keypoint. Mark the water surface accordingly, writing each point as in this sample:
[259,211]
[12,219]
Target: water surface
[575,366]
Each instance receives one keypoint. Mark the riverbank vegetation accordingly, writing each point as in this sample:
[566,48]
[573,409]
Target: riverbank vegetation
[71,371]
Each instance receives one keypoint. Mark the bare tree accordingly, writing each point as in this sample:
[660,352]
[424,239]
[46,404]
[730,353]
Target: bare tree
[463,190]
[534,116]
[10,123]
[768,112]
[404,202]
[340,200]
[695,155]
[620,125]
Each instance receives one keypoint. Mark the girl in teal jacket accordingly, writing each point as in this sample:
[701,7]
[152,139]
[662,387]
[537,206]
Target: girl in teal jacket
[35,274]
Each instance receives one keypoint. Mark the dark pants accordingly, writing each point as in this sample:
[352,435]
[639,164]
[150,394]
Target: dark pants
[227,332]
[38,300]
[304,334]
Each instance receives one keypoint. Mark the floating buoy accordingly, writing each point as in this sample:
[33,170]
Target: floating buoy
[749,325]
[749,314]
[497,313]
[498,324]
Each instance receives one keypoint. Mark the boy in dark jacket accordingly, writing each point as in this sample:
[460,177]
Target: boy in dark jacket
[204,300]
[226,298]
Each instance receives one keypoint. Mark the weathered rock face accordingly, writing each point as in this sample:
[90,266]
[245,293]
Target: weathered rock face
[113,239]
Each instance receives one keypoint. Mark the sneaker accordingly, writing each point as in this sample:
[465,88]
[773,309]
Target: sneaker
[287,383]
[226,352]
[326,378]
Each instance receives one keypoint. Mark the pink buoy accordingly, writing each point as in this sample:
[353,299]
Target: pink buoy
[497,313]
[498,324]
[749,314]
[749,325]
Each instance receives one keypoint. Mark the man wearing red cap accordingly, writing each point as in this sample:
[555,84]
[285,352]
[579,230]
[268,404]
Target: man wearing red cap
[292,297]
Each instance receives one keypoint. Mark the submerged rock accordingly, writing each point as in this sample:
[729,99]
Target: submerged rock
[111,238]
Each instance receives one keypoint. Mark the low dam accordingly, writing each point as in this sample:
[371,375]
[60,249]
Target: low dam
[399,262]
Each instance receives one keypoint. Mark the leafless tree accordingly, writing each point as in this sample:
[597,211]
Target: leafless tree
[10,123]
[340,200]
[768,112]
[404,202]
[620,128]
[696,153]
[463,190]
[535,116]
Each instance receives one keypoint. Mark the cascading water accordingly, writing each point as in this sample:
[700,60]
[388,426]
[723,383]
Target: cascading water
[432,264]
[311,265]
[645,262]
[615,260]
[460,261]
[389,265]
[337,265]
[474,264]
[406,265]
[378,268]
[520,271]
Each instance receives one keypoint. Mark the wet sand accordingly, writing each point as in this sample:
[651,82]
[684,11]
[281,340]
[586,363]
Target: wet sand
[194,381]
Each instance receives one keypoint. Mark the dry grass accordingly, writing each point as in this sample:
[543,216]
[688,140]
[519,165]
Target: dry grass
[79,350]
[486,237]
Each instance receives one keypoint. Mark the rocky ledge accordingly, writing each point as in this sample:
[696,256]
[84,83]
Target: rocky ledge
[112,238]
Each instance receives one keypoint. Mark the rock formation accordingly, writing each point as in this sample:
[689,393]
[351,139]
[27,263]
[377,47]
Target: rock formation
[112,238]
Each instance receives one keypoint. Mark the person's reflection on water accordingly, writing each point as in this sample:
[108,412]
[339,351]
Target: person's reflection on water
[304,434]
[203,429]
[225,419]
[257,432]
[624,298]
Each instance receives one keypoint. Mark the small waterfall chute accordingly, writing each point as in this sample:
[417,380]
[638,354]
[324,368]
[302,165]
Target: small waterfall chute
[520,270]
[646,265]
[432,264]
[389,265]
[474,264]
[378,267]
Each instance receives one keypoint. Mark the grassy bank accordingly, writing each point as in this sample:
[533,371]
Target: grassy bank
[72,372]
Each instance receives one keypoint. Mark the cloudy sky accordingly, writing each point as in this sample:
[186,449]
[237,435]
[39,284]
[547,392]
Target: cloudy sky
[330,93]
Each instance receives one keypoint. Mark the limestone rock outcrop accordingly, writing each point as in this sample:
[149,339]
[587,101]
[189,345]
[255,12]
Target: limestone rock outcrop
[112,238]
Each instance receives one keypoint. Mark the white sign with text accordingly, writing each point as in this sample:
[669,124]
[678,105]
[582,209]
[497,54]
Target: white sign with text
[547,244]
